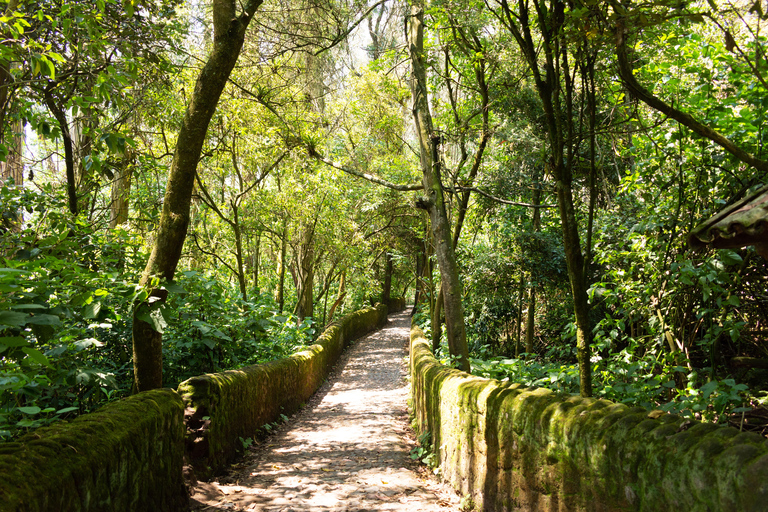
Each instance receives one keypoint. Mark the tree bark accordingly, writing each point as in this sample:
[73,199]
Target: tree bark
[339,296]
[437,323]
[120,192]
[387,287]
[306,274]
[239,254]
[530,325]
[435,203]
[256,259]
[280,294]
[229,35]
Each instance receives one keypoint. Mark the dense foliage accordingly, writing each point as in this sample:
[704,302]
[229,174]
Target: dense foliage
[306,200]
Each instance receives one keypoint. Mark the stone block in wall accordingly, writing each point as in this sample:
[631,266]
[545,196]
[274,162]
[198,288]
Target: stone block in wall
[128,455]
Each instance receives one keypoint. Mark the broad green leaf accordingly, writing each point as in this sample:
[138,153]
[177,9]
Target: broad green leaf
[28,306]
[708,388]
[174,288]
[91,311]
[44,320]
[730,257]
[152,317]
[13,319]
[36,356]
[13,341]
[31,410]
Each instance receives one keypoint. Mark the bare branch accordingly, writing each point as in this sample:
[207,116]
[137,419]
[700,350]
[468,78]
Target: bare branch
[504,201]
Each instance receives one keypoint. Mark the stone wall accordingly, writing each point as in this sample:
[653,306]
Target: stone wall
[125,456]
[129,455]
[396,304]
[223,408]
[516,448]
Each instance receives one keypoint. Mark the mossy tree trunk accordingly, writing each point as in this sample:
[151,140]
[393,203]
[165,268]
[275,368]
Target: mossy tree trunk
[229,34]
[305,273]
[280,293]
[433,188]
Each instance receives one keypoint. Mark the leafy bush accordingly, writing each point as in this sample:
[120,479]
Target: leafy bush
[64,340]
[210,328]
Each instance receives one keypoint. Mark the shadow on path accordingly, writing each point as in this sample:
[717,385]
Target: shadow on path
[348,450]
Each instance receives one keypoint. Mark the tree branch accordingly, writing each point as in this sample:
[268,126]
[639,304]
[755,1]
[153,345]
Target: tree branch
[504,201]
[631,83]
[363,175]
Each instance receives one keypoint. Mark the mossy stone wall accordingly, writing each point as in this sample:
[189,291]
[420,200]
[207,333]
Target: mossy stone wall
[396,304]
[517,448]
[128,455]
[224,407]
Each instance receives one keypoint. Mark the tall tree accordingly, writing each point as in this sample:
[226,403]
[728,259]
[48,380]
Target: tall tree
[541,37]
[434,202]
[230,25]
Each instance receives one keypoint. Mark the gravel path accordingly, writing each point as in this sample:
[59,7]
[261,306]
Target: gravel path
[348,450]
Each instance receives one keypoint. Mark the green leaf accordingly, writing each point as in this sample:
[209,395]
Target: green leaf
[91,311]
[36,356]
[44,320]
[13,319]
[708,388]
[31,410]
[13,341]
[28,306]
[730,257]
[66,410]
[152,317]
[174,288]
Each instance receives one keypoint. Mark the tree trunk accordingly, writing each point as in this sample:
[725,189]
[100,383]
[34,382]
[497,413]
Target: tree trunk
[519,319]
[121,191]
[339,296]
[549,66]
[435,204]
[280,294]
[6,78]
[387,288]
[306,274]
[256,258]
[530,325]
[437,324]
[239,255]
[229,30]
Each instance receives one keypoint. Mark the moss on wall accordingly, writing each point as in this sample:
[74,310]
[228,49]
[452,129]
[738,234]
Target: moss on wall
[221,408]
[517,448]
[125,456]
[396,304]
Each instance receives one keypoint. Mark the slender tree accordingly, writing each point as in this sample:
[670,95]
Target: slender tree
[230,25]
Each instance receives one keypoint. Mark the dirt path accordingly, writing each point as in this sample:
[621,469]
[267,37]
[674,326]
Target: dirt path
[348,450]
